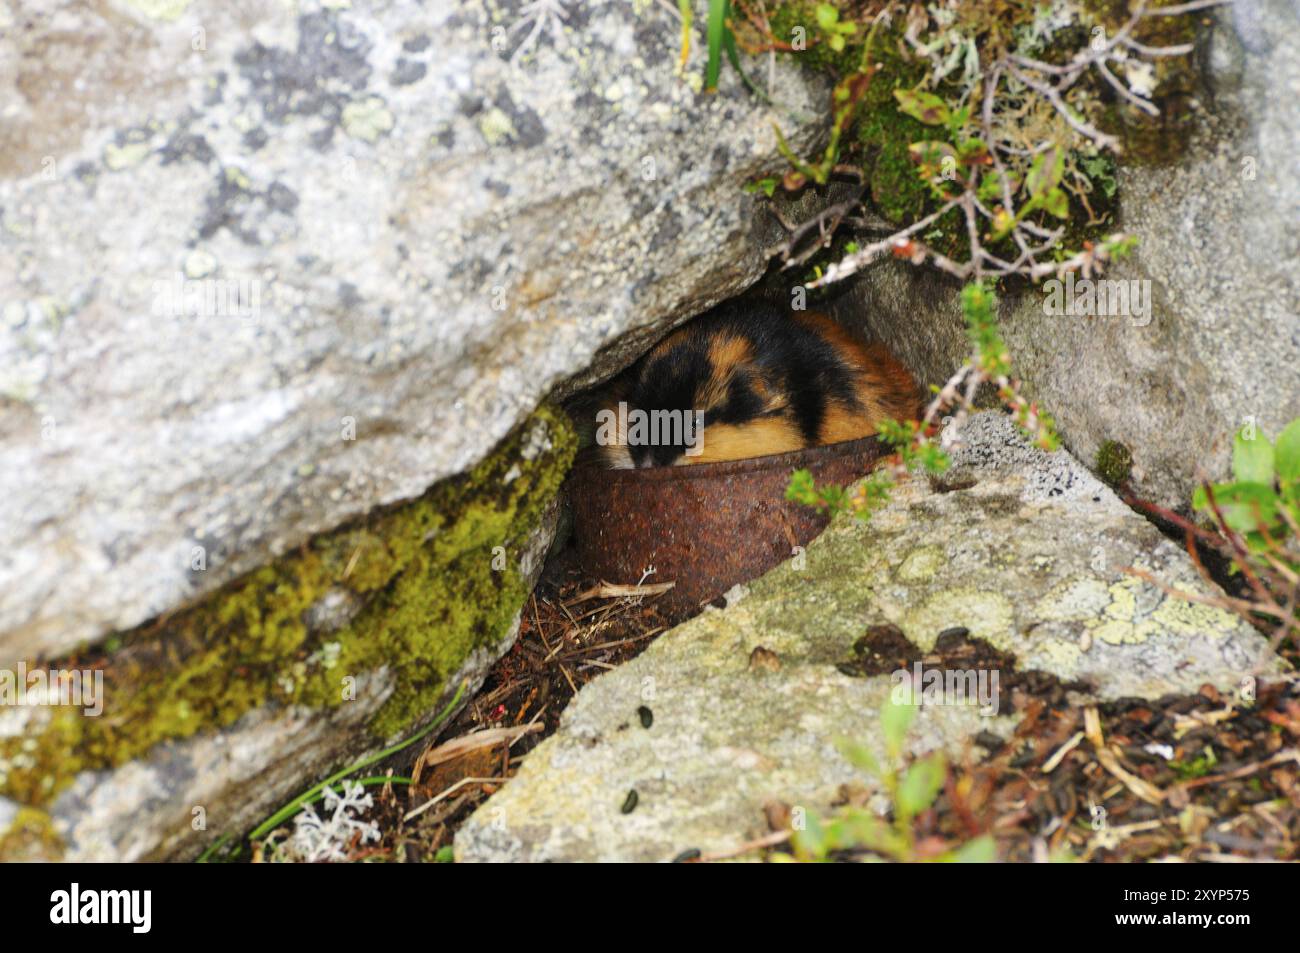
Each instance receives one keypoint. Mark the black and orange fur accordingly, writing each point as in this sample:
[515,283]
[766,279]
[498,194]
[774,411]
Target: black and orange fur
[767,382]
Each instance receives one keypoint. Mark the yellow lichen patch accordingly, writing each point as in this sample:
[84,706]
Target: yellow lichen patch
[1062,653]
[1122,632]
[1123,600]
[496,127]
[1192,618]
[987,615]
[920,564]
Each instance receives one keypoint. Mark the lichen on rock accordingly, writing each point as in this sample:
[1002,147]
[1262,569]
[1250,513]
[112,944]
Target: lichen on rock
[413,591]
[1027,555]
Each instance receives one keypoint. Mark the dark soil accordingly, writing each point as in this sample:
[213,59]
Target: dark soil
[567,637]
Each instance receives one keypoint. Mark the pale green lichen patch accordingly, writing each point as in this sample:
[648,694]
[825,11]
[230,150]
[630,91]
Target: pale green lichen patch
[1188,618]
[367,119]
[1030,559]
[1079,597]
[920,564]
[117,158]
[496,127]
[431,593]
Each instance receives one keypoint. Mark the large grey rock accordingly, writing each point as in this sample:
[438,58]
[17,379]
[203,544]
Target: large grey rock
[393,242]
[1220,245]
[184,794]
[1028,554]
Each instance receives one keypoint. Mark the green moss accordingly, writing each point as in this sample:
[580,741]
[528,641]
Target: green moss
[789,18]
[1114,462]
[423,571]
[884,133]
[881,133]
[31,837]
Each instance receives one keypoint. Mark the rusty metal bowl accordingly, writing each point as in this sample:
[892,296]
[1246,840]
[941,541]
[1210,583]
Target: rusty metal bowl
[704,527]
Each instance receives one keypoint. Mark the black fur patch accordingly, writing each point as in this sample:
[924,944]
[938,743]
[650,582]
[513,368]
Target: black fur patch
[791,359]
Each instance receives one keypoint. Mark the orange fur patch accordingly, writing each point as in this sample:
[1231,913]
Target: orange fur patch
[884,387]
[756,438]
[843,423]
[726,354]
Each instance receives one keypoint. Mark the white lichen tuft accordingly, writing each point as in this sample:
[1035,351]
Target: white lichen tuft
[543,16]
[316,839]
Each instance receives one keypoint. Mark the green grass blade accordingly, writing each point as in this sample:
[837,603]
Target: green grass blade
[297,804]
[729,44]
[716,32]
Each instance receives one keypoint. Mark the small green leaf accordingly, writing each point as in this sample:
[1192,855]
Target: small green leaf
[1252,458]
[925,107]
[827,16]
[1045,172]
[1057,204]
[1245,506]
[864,829]
[973,151]
[921,784]
[981,850]
[811,842]
[861,757]
[894,721]
[1287,454]
[802,488]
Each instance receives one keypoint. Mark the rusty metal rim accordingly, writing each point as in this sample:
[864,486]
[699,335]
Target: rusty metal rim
[871,446]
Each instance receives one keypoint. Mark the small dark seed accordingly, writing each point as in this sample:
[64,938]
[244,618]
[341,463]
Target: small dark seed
[629,803]
[646,715]
[692,853]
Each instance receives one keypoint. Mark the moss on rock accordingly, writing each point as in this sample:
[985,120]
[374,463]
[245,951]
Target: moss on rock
[434,579]
[30,837]
[1114,462]
[881,133]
